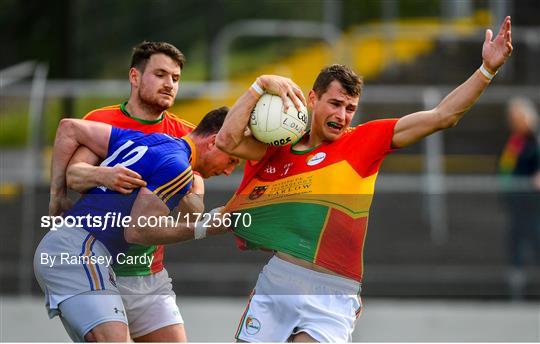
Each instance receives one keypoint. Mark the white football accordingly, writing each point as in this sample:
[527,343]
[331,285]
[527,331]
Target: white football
[270,124]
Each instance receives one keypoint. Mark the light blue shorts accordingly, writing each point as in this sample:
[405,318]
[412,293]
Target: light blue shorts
[74,271]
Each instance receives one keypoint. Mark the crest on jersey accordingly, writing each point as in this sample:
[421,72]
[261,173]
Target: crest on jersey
[257,192]
[253,326]
[316,159]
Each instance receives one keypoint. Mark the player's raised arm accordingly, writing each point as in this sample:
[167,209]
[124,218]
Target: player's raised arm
[231,138]
[418,125]
[71,134]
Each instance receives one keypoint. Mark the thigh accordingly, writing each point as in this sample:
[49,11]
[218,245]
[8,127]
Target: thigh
[84,313]
[111,331]
[173,333]
[303,337]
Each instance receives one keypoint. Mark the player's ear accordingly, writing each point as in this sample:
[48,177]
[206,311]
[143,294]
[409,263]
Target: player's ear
[312,97]
[211,141]
[134,76]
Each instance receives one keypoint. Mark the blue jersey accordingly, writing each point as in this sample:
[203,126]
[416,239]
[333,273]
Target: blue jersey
[162,161]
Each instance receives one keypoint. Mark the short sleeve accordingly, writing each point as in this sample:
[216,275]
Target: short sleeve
[116,133]
[121,136]
[253,166]
[171,180]
[374,142]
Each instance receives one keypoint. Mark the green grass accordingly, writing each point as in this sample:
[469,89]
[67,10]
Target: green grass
[13,128]
[14,118]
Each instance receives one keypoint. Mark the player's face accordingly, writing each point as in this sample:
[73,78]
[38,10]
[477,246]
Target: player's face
[332,112]
[158,83]
[217,163]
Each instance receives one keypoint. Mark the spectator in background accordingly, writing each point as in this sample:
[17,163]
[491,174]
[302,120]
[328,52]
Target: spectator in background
[520,164]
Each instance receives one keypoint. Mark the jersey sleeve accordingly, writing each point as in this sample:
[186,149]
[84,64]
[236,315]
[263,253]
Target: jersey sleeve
[100,115]
[91,117]
[119,137]
[171,180]
[375,139]
[253,166]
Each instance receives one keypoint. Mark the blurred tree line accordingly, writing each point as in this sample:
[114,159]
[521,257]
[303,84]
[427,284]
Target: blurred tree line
[93,38]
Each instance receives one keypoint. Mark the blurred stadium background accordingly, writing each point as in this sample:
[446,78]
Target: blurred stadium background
[436,258]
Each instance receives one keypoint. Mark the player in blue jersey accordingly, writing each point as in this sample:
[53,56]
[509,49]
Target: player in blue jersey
[73,262]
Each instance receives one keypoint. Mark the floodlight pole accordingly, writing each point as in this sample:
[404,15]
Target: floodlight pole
[434,181]
[32,171]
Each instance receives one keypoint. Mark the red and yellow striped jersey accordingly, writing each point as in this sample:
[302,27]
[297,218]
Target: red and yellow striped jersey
[315,204]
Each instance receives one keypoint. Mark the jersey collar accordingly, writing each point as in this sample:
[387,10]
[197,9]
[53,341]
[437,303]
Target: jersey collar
[140,120]
[193,156]
[300,152]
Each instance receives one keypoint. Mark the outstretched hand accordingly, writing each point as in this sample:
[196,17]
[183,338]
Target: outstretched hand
[283,87]
[496,51]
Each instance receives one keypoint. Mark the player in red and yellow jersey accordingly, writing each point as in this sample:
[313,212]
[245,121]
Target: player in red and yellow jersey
[309,201]
[323,196]
[154,77]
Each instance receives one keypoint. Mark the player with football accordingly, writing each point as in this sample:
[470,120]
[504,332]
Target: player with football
[310,200]
[85,294]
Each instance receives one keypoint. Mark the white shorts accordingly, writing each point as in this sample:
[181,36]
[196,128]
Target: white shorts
[289,299]
[150,302]
[68,263]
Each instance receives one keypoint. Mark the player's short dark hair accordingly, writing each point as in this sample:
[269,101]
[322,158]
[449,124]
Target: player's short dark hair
[211,122]
[348,79]
[143,51]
